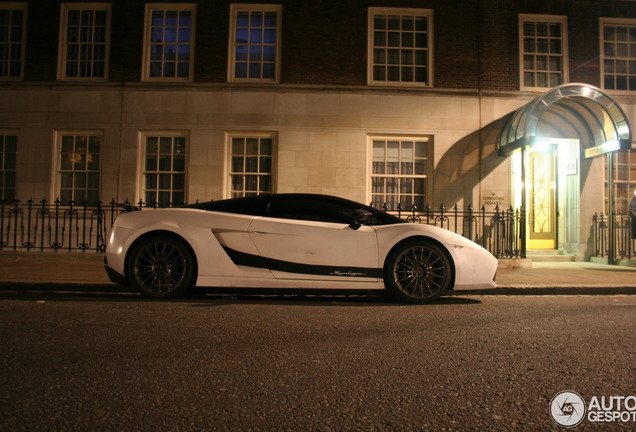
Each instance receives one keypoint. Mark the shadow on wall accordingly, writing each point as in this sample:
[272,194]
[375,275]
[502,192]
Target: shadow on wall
[464,166]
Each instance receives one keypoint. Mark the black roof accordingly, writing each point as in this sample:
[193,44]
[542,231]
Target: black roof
[260,205]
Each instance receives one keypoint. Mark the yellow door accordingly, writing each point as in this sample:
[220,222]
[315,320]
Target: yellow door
[542,200]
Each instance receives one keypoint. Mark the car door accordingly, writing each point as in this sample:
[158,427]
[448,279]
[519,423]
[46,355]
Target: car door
[314,240]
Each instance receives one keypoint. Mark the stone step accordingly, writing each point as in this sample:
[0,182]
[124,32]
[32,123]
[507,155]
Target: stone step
[551,255]
[541,252]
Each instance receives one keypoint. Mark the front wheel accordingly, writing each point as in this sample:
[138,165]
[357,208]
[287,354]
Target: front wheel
[418,271]
[162,267]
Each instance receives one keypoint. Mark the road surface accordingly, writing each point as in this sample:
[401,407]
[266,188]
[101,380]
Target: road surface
[117,362]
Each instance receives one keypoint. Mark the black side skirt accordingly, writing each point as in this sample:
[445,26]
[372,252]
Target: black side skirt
[257,261]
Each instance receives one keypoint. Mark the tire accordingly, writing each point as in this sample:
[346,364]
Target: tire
[418,271]
[162,266]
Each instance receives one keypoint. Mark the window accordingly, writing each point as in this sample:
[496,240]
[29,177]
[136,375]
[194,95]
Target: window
[8,149]
[400,46]
[84,41]
[251,165]
[164,172]
[12,40]
[624,180]
[543,51]
[618,48]
[255,43]
[400,170]
[310,210]
[169,42]
[79,175]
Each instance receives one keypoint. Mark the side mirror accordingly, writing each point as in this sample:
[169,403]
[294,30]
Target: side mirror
[360,217]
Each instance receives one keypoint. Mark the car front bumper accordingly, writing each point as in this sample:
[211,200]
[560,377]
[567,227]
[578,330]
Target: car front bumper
[114,276]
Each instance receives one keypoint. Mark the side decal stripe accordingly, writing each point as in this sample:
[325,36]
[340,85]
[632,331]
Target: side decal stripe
[249,260]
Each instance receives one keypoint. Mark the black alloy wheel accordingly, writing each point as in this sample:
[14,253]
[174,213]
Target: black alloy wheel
[418,271]
[162,267]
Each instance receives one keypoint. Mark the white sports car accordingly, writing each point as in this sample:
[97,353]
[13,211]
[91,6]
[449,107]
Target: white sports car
[291,241]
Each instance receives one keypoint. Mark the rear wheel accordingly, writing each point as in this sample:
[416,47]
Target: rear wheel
[162,267]
[418,271]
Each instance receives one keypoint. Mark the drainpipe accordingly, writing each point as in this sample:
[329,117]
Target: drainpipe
[523,223]
[611,228]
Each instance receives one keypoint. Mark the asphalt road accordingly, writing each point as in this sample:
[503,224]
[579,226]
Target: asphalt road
[109,362]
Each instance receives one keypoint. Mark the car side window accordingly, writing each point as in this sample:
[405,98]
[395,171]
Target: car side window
[308,210]
[238,206]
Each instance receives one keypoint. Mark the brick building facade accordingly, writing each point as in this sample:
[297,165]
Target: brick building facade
[396,101]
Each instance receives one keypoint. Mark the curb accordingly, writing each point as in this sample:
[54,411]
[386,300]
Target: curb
[63,287]
[552,290]
[563,290]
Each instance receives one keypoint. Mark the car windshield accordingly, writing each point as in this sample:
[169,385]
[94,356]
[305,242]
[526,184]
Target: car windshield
[317,208]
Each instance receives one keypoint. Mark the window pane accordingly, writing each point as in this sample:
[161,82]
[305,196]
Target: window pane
[401,182]
[237,164]
[179,182]
[93,161]
[251,146]
[93,180]
[254,39]
[178,164]
[165,163]
[619,54]
[151,181]
[251,166]
[86,45]
[542,64]
[265,165]
[251,182]
[165,169]
[12,34]
[79,169]
[169,48]
[407,36]
[164,198]
[266,146]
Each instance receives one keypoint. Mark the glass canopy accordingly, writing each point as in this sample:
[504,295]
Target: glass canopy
[579,111]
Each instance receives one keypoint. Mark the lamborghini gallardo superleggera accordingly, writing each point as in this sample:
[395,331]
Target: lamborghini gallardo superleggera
[291,241]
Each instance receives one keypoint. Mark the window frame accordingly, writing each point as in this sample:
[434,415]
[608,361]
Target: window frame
[615,22]
[234,9]
[24,8]
[624,180]
[3,170]
[429,14]
[63,44]
[427,177]
[230,136]
[562,20]
[56,183]
[149,9]
[141,176]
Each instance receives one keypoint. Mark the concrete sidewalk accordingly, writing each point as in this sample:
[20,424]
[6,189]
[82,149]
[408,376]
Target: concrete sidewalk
[73,271]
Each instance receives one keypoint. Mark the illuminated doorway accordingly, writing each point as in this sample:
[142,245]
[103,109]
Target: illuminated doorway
[552,195]
[542,206]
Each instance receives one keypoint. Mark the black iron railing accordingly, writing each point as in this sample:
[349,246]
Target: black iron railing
[71,227]
[55,226]
[624,245]
[502,232]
